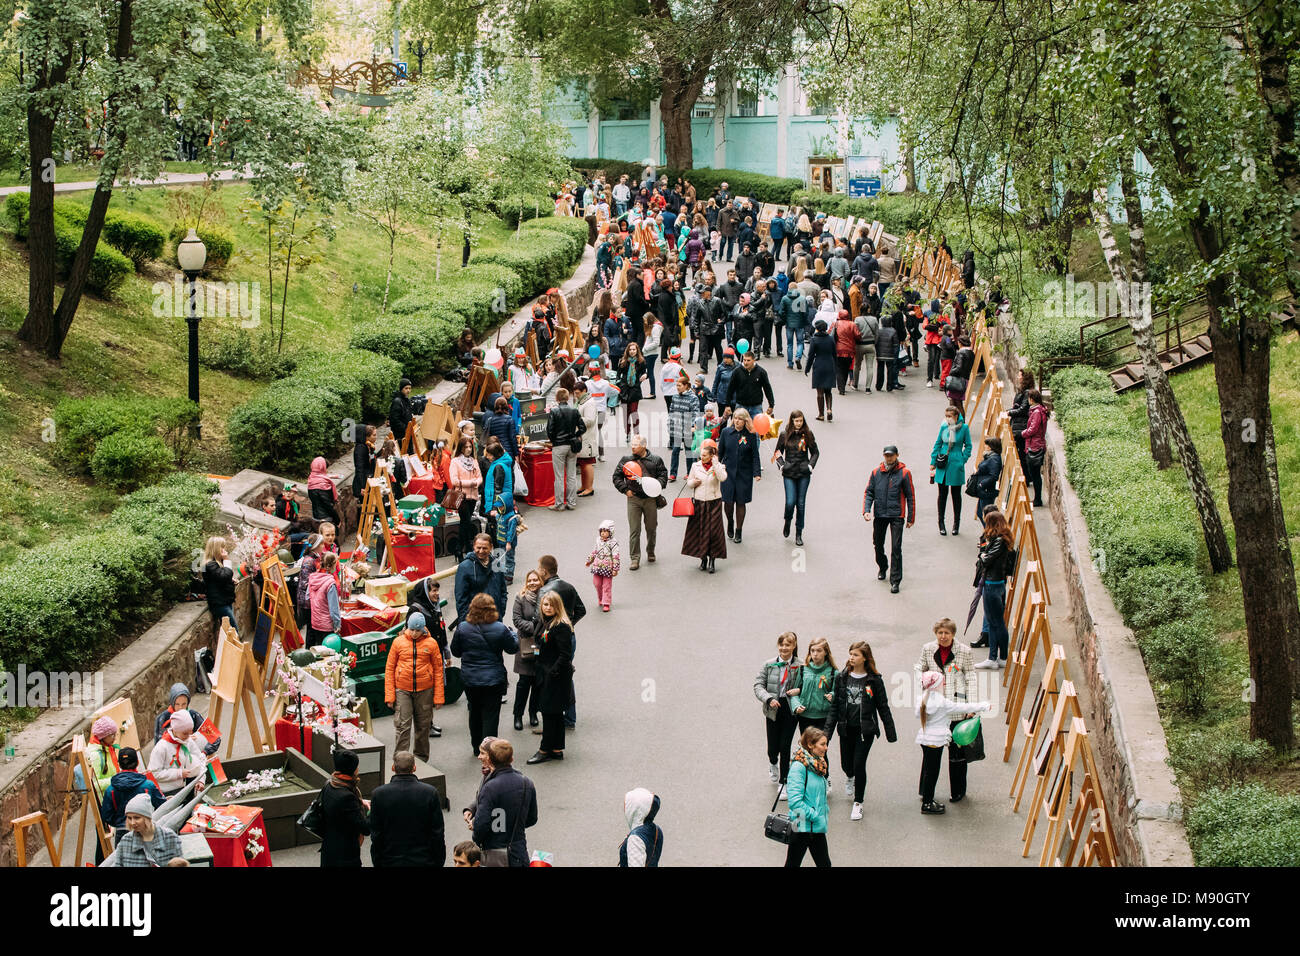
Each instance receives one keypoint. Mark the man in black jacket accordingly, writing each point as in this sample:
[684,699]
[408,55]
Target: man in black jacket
[707,318]
[400,412]
[665,303]
[887,355]
[507,806]
[891,497]
[406,827]
[636,305]
[729,291]
[640,506]
[749,384]
[564,428]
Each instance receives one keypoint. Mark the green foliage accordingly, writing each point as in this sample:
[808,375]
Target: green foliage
[239,352]
[1184,654]
[108,267]
[1079,385]
[542,258]
[412,341]
[376,375]
[16,208]
[1051,338]
[220,243]
[137,237]
[1216,758]
[62,603]
[1246,825]
[774,189]
[572,227]
[82,425]
[127,459]
[515,209]
[1148,595]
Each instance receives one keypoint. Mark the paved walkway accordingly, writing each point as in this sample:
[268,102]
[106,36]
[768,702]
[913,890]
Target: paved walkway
[166,179]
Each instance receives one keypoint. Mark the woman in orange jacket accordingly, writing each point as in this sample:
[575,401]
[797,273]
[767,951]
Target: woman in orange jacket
[413,684]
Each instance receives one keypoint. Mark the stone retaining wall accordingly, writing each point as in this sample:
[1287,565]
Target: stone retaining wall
[1128,739]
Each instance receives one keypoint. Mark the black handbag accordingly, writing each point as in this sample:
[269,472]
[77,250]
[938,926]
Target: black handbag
[973,485]
[974,750]
[1036,458]
[311,819]
[777,825]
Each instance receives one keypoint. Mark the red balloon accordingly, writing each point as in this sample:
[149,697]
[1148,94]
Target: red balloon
[762,424]
[632,470]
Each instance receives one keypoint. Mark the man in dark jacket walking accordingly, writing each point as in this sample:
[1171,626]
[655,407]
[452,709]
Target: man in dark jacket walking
[640,506]
[728,226]
[886,357]
[665,304]
[400,412]
[749,384]
[477,574]
[707,318]
[891,495]
[506,807]
[406,827]
[564,428]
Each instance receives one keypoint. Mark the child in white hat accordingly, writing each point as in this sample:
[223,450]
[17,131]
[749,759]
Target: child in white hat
[937,713]
[604,564]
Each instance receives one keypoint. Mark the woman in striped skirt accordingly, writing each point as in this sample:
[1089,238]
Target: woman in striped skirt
[704,535]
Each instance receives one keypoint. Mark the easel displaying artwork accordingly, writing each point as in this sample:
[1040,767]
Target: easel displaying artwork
[237,681]
[89,804]
[123,714]
[482,383]
[1088,830]
[1036,633]
[1048,759]
[275,619]
[438,423]
[373,510]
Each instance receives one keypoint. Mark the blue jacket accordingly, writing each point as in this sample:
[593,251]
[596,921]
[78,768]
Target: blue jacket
[507,790]
[777,228]
[722,378]
[506,431]
[472,578]
[124,785]
[989,472]
[955,473]
[502,466]
[479,647]
[806,798]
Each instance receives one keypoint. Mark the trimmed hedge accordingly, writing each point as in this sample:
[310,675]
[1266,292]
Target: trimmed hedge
[1144,532]
[304,415]
[1245,826]
[533,207]
[420,344]
[124,442]
[542,258]
[572,228]
[61,604]
[220,243]
[108,267]
[137,237]
[775,189]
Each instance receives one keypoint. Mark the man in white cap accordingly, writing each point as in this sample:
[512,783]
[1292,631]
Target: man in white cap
[146,843]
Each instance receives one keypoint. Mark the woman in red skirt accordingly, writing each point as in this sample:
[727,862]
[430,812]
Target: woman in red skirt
[704,536]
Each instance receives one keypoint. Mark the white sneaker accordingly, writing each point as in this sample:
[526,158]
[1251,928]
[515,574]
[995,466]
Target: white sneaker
[848,787]
[929,383]
[774,774]
[782,795]
[986,666]
[1001,664]
[856,812]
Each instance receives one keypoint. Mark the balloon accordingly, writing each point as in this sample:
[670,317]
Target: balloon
[742,346]
[593,351]
[632,469]
[762,425]
[964,733]
[650,485]
[333,642]
[494,358]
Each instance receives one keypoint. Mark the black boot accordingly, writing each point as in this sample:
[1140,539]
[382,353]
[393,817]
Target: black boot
[942,529]
[785,532]
[798,539]
[704,564]
[711,566]
[738,530]
[731,528]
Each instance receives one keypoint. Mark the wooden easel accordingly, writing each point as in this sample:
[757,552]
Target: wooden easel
[1057,796]
[1022,662]
[20,825]
[373,509]
[438,423]
[89,804]
[1048,758]
[276,613]
[123,714]
[1090,810]
[237,681]
[482,383]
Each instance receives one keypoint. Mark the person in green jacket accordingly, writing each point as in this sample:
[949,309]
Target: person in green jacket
[948,460]
[806,789]
[813,705]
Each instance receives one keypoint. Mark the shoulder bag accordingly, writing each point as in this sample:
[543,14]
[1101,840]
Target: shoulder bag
[311,819]
[500,856]
[683,507]
[777,825]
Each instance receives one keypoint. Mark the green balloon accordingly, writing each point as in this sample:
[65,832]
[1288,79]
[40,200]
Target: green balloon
[333,642]
[964,733]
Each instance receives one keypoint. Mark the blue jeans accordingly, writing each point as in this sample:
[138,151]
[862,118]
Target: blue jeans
[619,208]
[796,495]
[220,611]
[995,624]
[507,560]
[793,338]
[981,505]
[676,456]
[753,409]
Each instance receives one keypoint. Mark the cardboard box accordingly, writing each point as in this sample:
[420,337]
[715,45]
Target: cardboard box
[391,590]
[412,503]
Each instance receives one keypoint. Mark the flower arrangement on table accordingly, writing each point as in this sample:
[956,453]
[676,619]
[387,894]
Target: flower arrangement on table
[255,781]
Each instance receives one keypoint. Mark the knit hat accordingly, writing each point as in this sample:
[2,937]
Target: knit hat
[289,486]
[346,761]
[729,352]
[709,443]
[930,680]
[140,805]
[820,325]
[607,525]
[181,721]
[416,622]
[403,383]
[103,727]
[842,314]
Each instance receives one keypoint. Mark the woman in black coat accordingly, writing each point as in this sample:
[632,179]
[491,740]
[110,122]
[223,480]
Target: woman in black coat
[631,369]
[738,452]
[819,362]
[1019,413]
[859,707]
[554,651]
[797,455]
[986,476]
[343,815]
[481,642]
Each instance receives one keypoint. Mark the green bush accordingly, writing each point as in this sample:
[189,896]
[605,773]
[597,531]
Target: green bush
[1095,420]
[137,237]
[82,423]
[574,230]
[286,426]
[1184,654]
[512,209]
[774,189]
[1150,595]
[541,258]
[1051,338]
[17,206]
[240,353]
[108,267]
[1245,826]
[220,243]
[376,375]
[481,294]
[407,340]
[61,604]
[126,460]
[1081,385]
[1216,758]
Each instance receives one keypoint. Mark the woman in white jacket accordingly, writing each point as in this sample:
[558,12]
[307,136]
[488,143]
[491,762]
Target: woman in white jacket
[704,538]
[650,352]
[178,755]
[935,712]
[589,409]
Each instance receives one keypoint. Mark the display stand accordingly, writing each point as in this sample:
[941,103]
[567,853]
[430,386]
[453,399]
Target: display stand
[20,825]
[89,804]
[373,510]
[237,681]
[123,714]
[983,354]
[1047,757]
[1056,798]
[1088,829]
[438,423]
[1022,664]
[275,619]
[482,383]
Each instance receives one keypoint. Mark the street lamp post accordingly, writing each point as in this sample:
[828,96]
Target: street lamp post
[191,254]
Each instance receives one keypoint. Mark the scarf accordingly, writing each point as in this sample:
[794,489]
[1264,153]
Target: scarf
[816,764]
[175,759]
[319,479]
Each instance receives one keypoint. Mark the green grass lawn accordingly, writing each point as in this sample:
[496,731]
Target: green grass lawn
[120,347]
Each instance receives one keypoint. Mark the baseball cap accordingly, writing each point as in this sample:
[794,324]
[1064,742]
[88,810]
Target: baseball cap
[891,449]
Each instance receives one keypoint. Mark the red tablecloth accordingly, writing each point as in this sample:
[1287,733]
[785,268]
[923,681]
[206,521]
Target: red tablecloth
[413,551]
[540,475]
[286,736]
[229,849]
[424,486]
[363,620]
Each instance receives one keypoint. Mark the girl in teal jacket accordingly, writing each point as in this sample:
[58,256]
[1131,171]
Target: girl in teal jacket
[806,791]
[813,704]
[948,464]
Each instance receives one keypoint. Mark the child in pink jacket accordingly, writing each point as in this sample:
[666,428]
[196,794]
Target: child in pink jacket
[604,564]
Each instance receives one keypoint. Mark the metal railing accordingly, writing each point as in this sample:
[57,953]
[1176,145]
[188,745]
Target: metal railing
[1099,349]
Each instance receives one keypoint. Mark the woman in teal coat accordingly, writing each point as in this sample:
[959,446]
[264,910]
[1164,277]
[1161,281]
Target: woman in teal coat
[806,792]
[948,464]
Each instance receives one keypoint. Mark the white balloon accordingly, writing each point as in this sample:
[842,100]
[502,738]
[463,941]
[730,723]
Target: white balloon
[651,486]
